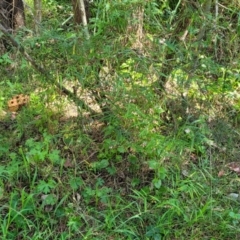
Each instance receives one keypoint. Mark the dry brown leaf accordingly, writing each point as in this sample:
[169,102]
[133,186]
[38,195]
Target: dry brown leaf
[13,115]
[234,166]
[68,163]
[221,173]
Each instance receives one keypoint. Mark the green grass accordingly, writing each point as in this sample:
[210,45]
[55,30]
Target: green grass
[147,166]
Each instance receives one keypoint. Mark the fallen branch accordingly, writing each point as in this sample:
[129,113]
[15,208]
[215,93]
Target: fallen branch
[42,71]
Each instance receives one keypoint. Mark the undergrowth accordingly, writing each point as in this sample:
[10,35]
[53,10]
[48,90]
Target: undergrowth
[153,163]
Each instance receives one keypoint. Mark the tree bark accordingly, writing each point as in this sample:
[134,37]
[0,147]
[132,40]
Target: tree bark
[12,14]
[37,15]
[81,11]
[12,18]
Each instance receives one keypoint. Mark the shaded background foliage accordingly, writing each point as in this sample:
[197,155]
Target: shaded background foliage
[12,14]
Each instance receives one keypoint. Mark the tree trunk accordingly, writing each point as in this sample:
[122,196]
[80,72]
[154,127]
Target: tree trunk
[37,15]
[78,13]
[11,17]
[18,14]
[12,14]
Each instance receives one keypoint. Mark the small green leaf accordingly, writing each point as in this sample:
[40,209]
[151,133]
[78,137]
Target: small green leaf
[107,6]
[50,199]
[100,164]
[45,187]
[234,215]
[157,183]
[75,183]
[54,156]
[121,149]
[153,164]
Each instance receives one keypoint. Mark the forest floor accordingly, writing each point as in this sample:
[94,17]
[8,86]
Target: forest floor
[125,156]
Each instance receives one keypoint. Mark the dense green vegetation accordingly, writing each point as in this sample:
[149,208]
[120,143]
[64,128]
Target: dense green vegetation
[150,149]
